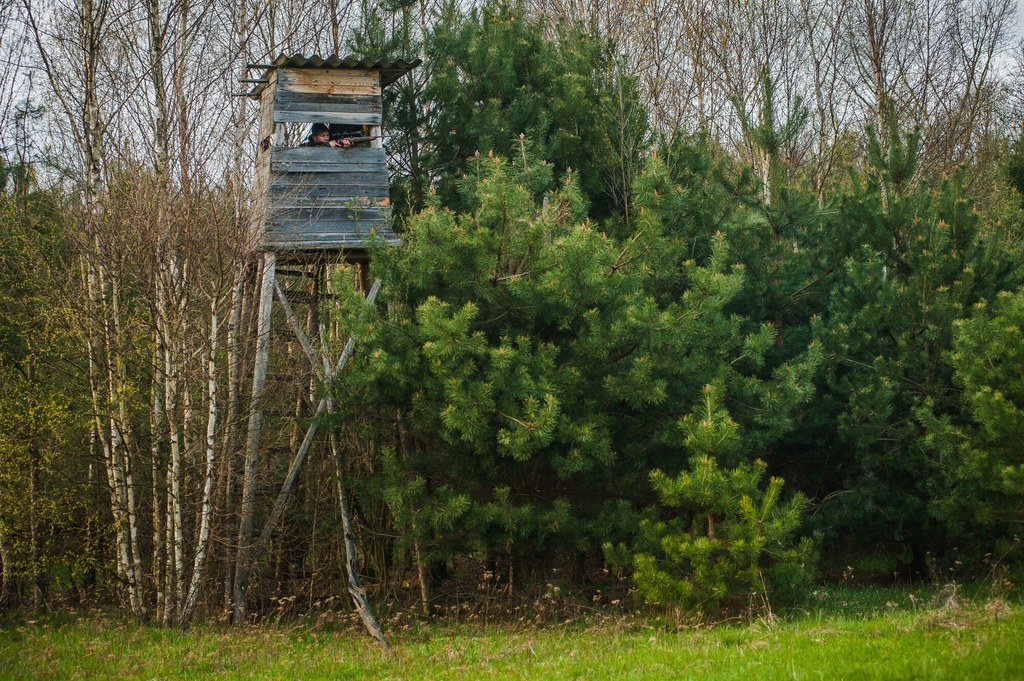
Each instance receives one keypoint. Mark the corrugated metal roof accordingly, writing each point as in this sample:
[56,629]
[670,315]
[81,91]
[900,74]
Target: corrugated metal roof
[390,71]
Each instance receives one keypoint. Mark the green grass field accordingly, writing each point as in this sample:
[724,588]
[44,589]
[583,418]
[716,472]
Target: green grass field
[848,634]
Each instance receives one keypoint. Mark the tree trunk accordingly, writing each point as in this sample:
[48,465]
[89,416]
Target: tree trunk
[206,509]
[422,573]
[239,39]
[33,528]
[122,427]
[181,103]
[233,417]
[6,571]
[173,475]
[156,422]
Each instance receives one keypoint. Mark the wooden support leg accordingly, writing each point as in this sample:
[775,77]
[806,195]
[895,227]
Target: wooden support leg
[254,550]
[243,562]
[355,587]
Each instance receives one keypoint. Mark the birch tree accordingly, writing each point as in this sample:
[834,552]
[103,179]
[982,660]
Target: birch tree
[66,33]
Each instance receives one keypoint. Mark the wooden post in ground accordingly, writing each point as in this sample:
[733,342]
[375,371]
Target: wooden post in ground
[243,562]
[355,587]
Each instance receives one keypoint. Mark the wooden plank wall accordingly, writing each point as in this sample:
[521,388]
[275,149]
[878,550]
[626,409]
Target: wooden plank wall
[328,96]
[323,198]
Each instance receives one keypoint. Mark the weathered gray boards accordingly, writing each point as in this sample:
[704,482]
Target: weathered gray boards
[315,199]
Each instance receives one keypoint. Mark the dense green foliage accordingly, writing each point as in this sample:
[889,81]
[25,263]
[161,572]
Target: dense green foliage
[44,493]
[554,355]
[728,539]
[537,367]
[592,336]
[498,80]
[981,459]
[923,259]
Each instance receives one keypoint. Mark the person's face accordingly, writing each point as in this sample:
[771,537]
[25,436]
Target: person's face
[323,136]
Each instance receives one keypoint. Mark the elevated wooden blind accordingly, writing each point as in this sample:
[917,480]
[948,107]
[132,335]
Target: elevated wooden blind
[321,198]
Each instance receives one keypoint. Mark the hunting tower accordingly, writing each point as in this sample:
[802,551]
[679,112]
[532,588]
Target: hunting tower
[315,200]
[314,205]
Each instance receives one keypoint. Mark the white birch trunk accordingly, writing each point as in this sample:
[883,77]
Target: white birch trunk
[107,404]
[121,425]
[181,103]
[187,454]
[206,509]
[234,398]
[162,416]
[240,34]
[170,473]
[170,604]
[173,473]
[157,425]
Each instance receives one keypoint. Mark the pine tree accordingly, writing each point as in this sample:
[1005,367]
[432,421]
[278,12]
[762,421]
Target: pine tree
[492,77]
[537,366]
[724,540]
[925,258]
[981,464]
